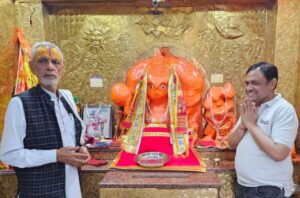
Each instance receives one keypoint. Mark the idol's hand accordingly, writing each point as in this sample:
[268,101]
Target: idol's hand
[73,156]
[248,111]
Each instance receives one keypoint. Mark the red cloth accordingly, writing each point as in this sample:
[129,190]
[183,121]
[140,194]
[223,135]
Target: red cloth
[160,144]
[97,163]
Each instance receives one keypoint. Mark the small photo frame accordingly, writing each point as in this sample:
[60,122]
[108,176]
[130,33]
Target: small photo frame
[98,120]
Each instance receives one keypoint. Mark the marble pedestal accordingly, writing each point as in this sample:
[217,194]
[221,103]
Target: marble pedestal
[128,184]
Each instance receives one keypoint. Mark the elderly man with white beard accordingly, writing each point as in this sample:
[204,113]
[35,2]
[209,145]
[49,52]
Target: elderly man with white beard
[42,132]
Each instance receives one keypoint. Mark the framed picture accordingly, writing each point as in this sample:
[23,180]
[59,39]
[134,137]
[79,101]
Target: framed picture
[98,120]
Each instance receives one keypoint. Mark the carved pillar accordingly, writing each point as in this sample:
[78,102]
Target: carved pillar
[26,14]
[286,51]
[7,29]
[298,80]
[286,47]
[297,93]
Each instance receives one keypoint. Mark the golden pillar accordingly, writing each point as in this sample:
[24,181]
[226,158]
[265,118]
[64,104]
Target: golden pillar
[25,14]
[7,29]
[287,47]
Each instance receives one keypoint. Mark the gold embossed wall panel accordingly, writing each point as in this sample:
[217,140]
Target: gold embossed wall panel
[7,29]
[232,41]
[30,19]
[222,40]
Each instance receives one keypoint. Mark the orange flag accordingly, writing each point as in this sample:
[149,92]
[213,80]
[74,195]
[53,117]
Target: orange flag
[25,79]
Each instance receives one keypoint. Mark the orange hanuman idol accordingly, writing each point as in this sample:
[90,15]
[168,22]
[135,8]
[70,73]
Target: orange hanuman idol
[162,107]
[219,115]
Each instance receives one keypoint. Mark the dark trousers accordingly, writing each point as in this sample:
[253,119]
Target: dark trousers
[259,192]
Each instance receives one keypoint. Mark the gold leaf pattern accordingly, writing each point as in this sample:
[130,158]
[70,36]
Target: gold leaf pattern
[167,25]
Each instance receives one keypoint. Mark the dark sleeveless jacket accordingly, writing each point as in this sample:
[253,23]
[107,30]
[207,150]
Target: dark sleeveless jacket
[43,133]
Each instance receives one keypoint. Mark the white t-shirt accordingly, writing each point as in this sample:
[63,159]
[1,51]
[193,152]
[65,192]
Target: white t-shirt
[278,120]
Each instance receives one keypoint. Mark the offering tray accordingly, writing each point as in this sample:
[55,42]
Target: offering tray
[151,159]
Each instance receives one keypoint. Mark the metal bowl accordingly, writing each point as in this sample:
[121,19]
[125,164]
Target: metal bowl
[152,159]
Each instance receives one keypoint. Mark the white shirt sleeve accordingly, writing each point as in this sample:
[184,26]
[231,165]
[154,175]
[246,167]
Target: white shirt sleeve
[284,129]
[12,149]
